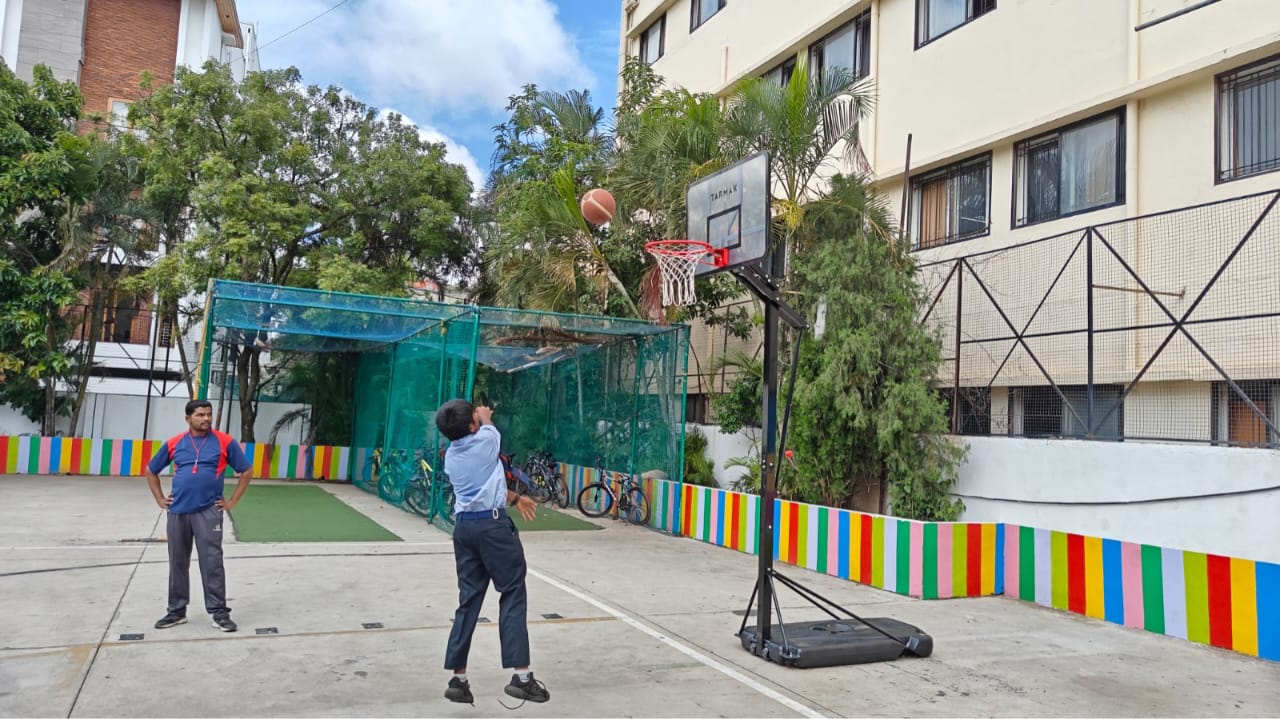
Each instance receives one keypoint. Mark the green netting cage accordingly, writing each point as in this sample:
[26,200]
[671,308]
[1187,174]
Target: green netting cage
[592,391]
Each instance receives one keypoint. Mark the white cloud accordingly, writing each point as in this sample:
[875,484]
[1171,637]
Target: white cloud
[455,55]
[454,152]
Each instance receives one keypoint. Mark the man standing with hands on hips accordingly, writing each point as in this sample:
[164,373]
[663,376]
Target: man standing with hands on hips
[195,505]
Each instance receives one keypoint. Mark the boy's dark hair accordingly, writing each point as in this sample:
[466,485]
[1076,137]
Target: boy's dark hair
[196,404]
[454,417]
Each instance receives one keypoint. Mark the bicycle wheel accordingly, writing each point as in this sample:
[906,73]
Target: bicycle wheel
[445,509]
[636,507]
[540,487]
[594,500]
[417,499]
[559,491]
[391,485]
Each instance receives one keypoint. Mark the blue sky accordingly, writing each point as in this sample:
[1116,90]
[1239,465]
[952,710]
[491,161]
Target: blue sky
[446,65]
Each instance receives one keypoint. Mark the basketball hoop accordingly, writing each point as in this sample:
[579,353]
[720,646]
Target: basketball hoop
[677,262]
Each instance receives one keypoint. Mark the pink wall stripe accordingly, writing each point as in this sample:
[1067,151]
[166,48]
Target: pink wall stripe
[945,580]
[46,447]
[1012,572]
[833,541]
[916,587]
[1131,567]
[717,498]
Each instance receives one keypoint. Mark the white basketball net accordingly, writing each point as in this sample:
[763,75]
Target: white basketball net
[677,263]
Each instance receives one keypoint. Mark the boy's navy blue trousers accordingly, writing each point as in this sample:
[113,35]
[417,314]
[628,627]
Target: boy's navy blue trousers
[489,549]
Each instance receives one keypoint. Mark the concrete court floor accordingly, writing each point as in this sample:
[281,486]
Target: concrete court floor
[645,628]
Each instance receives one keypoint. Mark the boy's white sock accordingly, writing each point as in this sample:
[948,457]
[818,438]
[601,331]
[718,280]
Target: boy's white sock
[462,677]
[524,675]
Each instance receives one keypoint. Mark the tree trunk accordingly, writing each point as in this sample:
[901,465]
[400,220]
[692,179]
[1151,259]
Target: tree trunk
[86,366]
[50,387]
[178,337]
[246,385]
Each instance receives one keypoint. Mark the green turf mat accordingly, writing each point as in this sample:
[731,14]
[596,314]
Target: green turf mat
[550,519]
[300,513]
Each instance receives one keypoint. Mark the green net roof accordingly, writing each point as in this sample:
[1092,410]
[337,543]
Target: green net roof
[303,320]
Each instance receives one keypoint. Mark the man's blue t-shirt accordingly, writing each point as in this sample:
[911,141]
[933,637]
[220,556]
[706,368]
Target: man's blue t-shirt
[198,468]
[475,472]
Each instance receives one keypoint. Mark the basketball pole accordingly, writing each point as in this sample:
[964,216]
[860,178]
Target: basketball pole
[762,284]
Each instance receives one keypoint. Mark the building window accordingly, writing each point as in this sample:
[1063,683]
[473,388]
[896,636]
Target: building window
[782,73]
[1041,412]
[849,48]
[1237,424]
[653,40]
[120,115]
[701,11]
[951,204]
[975,409]
[1249,121]
[1073,170]
[935,18]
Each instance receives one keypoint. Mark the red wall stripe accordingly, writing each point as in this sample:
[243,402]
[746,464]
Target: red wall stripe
[75,455]
[865,548]
[793,532]
[1075,573]
[1219,601]
[973,569]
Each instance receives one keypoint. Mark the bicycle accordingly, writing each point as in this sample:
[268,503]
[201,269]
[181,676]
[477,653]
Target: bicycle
[368,477]
[521,483]
[395,475]
[598,498]
[544,470]
[430,493]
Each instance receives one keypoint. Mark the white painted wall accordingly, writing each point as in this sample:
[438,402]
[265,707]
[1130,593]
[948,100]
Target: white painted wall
[14,423]
[117,416]
[10,29]
[722,447]
[1068,471]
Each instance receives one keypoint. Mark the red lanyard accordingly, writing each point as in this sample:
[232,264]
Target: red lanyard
[197,450]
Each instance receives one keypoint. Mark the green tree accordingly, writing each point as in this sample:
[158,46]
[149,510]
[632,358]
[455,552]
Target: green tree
[866,411]
[275,182]
[542,254]
[43,167]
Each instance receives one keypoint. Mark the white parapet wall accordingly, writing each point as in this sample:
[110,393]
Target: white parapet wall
[722,447]
[1217,500]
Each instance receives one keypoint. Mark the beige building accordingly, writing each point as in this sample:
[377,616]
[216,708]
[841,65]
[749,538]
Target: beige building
[1035,118]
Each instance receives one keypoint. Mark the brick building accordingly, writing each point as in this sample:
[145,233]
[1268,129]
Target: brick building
[104,46]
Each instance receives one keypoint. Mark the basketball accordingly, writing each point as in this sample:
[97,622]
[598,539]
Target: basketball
[597,206]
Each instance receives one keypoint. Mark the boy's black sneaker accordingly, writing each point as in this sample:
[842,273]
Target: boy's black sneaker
[459,691]
[223,622]
[531,690]
[171,620]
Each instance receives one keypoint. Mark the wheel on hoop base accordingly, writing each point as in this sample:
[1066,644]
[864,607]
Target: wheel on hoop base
[678,262]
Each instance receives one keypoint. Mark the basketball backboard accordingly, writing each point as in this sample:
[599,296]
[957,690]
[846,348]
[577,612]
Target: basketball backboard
[730,210]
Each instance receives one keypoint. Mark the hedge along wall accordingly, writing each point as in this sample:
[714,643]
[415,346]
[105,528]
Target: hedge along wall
[129,457]
[1226,602]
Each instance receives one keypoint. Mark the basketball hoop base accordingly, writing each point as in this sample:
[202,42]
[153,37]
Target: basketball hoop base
[678,262]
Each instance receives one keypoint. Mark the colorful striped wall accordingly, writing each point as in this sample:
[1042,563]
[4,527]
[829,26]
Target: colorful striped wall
[1225,602]
[128,458]
[929,560]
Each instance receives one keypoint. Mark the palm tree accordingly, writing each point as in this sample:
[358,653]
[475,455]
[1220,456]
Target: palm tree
[542,252]
[806,126]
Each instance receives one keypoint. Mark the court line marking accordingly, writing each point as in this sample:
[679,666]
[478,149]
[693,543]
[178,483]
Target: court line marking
[682,648]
